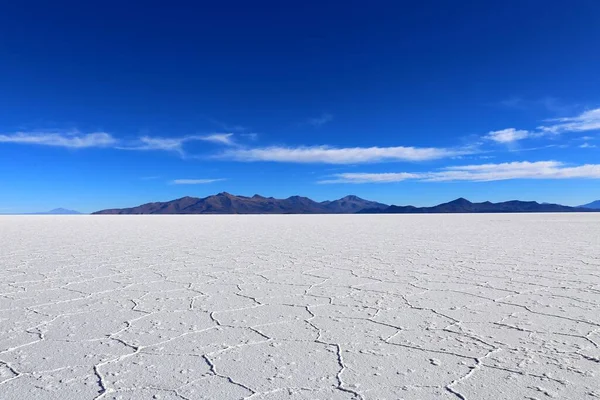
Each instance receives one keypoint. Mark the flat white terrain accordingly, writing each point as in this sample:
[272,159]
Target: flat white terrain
[300,307]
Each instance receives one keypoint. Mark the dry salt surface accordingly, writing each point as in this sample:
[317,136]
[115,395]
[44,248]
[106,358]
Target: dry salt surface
[300,307]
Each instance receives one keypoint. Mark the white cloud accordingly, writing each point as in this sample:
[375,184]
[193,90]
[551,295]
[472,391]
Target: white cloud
[194,181]
[509,135]
[78,140]
[584,122]
[157,143]
[321,120]
[364,177]
[220,138]
[479,173]
[587,146]
[176,144]
[332,155]
[71,140]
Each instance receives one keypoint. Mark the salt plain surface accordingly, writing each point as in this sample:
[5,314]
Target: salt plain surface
[300,307]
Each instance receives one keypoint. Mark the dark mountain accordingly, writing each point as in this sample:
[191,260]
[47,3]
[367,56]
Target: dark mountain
[225,203]
[465,206]
[594,205]
[351,204]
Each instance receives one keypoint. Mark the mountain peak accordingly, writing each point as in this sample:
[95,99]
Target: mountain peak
[188,198]
[351,197]
[460,200]
[62,211]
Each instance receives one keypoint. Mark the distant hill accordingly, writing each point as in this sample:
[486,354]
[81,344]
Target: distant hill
[58,211]
[594,205]
[225,203]
[465,206]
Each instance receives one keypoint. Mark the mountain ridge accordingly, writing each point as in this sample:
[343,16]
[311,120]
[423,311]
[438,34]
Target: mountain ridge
[226,203]
[464,206]
[594,205]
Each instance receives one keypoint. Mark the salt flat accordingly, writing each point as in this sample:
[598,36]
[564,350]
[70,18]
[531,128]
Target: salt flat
[300,307]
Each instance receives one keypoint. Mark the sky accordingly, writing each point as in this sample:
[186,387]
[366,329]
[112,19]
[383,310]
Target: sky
[114,104]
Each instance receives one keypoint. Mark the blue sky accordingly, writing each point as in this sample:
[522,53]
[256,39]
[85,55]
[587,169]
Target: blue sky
[116,104]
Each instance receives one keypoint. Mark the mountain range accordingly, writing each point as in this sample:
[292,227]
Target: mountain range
[465,206]
[225,203]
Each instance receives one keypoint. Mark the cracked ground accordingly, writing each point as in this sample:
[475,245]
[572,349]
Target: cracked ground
[300,307]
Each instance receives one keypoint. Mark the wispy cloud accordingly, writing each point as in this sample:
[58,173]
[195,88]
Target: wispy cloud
[584,122]
[77,140]
[587,146]
[509,135]
[220,138]
[227,127]
[556,106]
[177,144]
[74,140]
[194,181]
[333,155]
[548,103]
[157,143]
[547,146]
[513,102]
[250,136]
[321,120]
[517,170]
[365,177]
[479,173]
